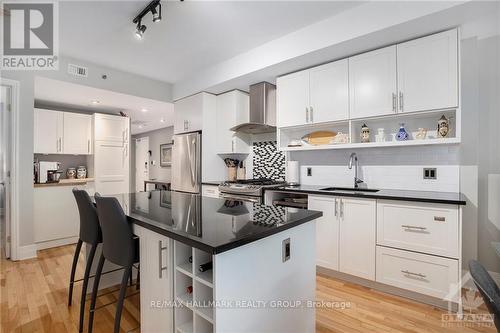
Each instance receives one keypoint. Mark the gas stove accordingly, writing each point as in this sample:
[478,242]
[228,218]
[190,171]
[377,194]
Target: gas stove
[249,189]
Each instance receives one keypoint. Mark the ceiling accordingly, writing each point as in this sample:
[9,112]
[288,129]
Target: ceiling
[191,36]
[146,114]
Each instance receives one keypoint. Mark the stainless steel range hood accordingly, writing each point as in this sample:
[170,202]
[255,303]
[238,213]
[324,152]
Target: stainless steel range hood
[262,117]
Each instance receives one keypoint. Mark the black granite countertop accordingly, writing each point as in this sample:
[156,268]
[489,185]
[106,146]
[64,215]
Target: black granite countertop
[403,195]
[212,225]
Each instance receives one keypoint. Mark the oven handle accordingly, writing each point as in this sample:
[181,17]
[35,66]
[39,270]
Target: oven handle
[239,197]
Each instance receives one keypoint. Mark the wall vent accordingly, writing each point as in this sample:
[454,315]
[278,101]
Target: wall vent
[79,71]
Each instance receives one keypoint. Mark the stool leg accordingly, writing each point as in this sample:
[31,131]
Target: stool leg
[138,281]
[94,292]
[119,305]
[90,259]
[73,269]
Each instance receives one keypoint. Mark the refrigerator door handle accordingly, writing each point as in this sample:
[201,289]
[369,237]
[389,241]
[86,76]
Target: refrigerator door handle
[190,155]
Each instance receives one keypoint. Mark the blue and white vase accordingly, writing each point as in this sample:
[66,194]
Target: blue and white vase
[402,135]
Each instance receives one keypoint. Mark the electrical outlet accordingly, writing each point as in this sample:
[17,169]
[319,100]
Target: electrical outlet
[309,172]
[430,173]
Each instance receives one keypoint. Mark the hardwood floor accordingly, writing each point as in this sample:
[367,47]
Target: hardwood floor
[33,298]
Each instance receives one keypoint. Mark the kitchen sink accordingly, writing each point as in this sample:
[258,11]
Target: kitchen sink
[348,189]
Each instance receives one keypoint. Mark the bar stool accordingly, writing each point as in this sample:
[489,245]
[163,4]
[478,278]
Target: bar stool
[119,246]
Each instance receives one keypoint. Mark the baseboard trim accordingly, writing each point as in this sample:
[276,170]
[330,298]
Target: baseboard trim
[26,252]
[56,243]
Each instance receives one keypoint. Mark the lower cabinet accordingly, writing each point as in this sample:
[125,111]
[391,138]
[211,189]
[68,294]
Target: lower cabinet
[357,237]
[156,265]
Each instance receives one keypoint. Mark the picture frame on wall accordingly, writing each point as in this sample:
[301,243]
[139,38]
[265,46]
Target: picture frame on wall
[166,155]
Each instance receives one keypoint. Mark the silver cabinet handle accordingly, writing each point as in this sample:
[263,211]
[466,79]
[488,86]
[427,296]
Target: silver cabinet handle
[232,145]
[161,268]
[336,206]
[307,115]
[407,272]
[88,146]
[439,219]
[311,114]
[413,227]
[341,208]
[400,101]
[59,145]
[394,99]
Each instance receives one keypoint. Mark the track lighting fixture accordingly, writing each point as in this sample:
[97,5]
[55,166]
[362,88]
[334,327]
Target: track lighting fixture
[154,7]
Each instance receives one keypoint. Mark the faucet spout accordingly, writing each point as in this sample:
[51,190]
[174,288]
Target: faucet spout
[353,159]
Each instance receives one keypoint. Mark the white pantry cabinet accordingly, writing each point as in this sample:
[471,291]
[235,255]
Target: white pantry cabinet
[77,133]
[357,237]
[156,257]
[111,128]
[48,131]
[428,72]
[372,83]
[232,110]
[188,113]
[315,95]
[327,230]
[111,167]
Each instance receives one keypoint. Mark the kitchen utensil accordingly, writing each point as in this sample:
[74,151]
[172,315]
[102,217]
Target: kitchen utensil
[319,138]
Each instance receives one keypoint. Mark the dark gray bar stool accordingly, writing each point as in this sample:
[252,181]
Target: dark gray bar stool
[119,246]
[487,288]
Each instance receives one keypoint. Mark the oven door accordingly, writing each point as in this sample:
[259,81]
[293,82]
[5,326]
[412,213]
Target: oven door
[241,197]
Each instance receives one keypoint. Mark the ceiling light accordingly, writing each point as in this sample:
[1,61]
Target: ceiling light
[156,13]
[144,110]
[95,102]
[162,120]
[139,31]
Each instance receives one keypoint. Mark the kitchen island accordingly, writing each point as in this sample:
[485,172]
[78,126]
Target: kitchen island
[212,265]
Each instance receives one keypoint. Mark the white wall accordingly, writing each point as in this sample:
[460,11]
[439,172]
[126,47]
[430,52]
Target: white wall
[117,81]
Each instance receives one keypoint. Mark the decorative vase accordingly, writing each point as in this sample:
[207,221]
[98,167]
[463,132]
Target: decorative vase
[365,133]
[380,136]
[402,135]
[421,134]
[443,127]
[81,172]
[71,173]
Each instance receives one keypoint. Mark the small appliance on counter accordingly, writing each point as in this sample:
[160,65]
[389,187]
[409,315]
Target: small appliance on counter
[47,172]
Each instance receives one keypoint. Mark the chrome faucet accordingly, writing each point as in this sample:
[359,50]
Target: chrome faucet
[354,158]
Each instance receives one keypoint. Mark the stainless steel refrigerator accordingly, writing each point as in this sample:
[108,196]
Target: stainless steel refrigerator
[186,163]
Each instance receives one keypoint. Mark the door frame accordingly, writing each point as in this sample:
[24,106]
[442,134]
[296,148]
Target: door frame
[137,140]
[14,168]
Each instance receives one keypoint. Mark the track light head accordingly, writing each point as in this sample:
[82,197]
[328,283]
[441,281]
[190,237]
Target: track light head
[156,13]
[139,31]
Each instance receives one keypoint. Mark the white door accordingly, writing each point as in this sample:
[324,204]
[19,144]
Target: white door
[428,72]
[48,132]
[111,162]
[5,163]
[357,237]
[330,92]
[77,133]
[327,231]
[293,99]
[141,163]
[111,128]
[372,83]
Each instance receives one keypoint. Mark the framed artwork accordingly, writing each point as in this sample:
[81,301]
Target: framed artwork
[165,199]
[166,155]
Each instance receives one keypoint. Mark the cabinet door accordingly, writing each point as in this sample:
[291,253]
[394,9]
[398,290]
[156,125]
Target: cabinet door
[111,162]
[111,128]
[156,281]
[48,132]
[293,99]
[77,133]
[372,83]
[231,109]
[327,231]
[357,237]
[428,72]
[188,114]
[330,92]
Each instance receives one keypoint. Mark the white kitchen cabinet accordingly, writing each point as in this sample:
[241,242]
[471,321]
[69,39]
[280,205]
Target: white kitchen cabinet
[357,237]
[156,257]
[232,110]
[111,167]
[292,99]
[327,231]
[428,72]
[111,128]
[329,92]
[188,113]
[48,131]
[77,133]
[373,83]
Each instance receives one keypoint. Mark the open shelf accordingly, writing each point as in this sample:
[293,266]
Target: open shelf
[203,301]
[184,320]
[202,325]
[185,328]
[185,268]
[206,277]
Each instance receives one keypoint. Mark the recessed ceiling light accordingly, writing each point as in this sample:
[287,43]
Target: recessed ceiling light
[95,102]
[144,110]
[162,120]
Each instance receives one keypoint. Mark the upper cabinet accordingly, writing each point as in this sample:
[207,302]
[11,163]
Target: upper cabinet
[232,110]
[315,95]
[428,72]
[188,113]
[48,132]
[111,128]
[77,133]
[57,132]
[372,83]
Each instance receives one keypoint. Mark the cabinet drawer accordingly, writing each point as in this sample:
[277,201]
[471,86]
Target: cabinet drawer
[210,191]
[427,228]
[421,273]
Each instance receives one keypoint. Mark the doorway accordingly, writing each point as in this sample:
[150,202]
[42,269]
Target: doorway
[141,162]
[5,168]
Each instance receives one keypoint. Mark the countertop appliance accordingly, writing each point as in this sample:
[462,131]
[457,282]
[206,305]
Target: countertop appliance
[247,190]
[262,111]
[186,163]
[44,168]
